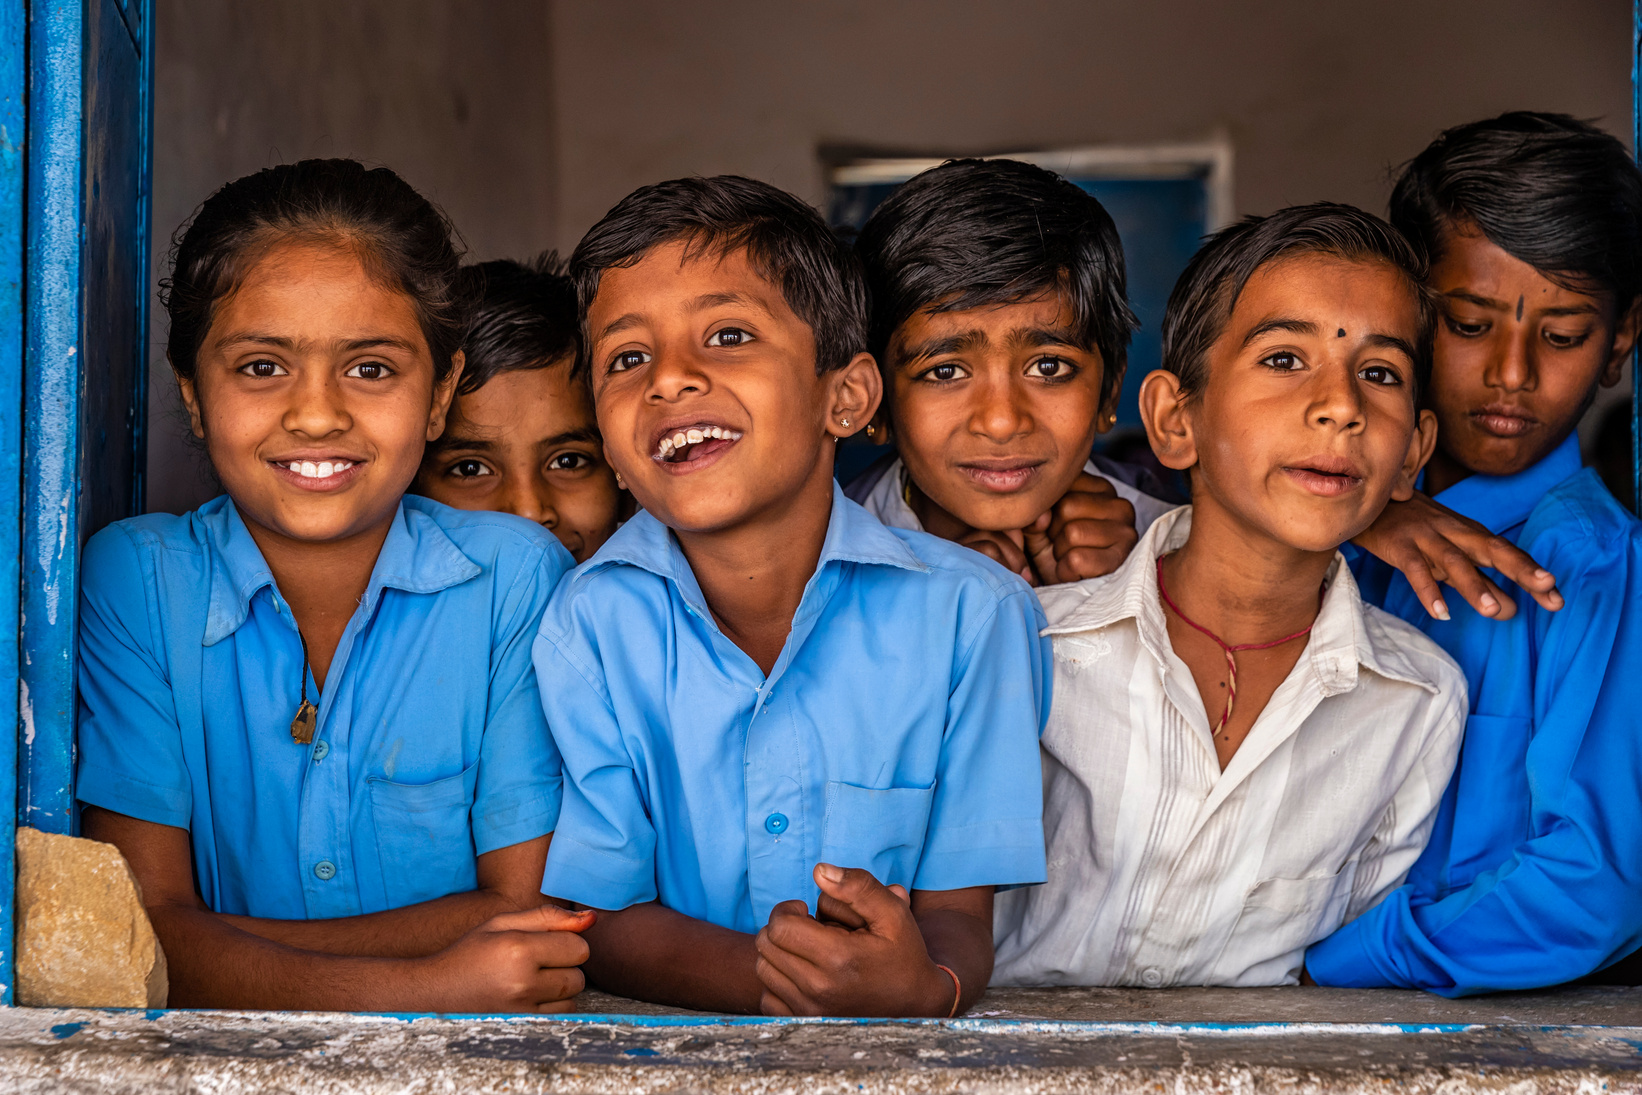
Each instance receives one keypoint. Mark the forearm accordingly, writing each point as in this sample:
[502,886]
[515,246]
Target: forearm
[212,963]
[413,931]
[963,943]
[648,952]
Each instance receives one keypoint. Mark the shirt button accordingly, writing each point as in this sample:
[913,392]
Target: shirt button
[324,870]
[322,749]
[1151,977]
[776,824]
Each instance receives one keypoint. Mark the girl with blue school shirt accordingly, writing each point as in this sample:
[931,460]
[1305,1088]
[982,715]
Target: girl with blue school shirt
[308,716]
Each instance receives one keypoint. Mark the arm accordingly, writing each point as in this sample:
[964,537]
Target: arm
[509,881]
[874,952]
[1568,899]
[517,962]
[649,952]
[1430,543]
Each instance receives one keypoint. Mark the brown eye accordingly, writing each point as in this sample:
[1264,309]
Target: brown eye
[1052,368]
[263,369]
[469,469]
[944,372]
[570,461]
[729,336]
[1283,362]
[369,370]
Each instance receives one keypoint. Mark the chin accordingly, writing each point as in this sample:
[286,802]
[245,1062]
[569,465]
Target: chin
[992,513]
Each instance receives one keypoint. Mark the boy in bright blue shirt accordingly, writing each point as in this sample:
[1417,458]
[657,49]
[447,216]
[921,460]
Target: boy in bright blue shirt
[1533,875]
[800,748]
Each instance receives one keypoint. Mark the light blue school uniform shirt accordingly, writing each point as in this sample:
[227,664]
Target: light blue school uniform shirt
[430,748]
[1533,875]
[897,731]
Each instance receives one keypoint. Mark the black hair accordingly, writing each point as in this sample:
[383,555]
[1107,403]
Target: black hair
[786,240]
[1548,189]
[1203,299]
[402,238]
[523,317]
[972,233]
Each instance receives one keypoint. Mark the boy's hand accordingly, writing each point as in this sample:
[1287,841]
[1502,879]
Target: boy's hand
[1087,534]
[867,957]
[1007,549]
[1430,543]
[521,961]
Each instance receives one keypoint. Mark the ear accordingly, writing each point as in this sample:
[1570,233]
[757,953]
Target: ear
[190,399]
[1420,447]
[854,393]
[1624,344]
[444,391]
[1165,411]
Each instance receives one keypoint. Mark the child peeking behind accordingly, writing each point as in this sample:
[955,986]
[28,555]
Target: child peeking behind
[520,436]
[1534,873]
[800,747]
[1241,754]
[307,712]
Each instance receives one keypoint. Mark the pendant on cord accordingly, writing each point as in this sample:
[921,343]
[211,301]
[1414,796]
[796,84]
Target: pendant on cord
[302,727]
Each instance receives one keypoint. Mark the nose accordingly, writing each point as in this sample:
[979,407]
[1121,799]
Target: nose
[675,373]
[999,412]
[529,497]
[1514,368]
[1336,399]
[317,408]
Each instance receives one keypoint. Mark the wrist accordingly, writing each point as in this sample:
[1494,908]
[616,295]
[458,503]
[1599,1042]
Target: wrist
[943,991]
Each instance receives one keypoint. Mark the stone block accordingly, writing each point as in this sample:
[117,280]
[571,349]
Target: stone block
[83,937]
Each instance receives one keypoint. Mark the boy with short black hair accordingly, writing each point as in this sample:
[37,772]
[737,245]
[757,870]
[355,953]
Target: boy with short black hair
[766,701]
[521,437]
[1241,754]
[1534,874]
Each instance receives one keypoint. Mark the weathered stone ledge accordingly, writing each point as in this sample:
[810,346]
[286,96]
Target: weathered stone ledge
[1296,1041]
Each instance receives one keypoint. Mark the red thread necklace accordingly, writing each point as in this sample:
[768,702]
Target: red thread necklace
[1226,648]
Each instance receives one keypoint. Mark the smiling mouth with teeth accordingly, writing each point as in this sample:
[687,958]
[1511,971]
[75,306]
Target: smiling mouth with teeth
[323,469]
[680,445]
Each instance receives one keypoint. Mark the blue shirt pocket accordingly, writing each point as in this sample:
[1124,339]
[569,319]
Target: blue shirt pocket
[424,837]
[881,830]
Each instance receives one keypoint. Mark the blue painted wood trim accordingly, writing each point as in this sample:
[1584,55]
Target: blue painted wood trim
[145,251]
[1636,359]
[52,387]
[13,135]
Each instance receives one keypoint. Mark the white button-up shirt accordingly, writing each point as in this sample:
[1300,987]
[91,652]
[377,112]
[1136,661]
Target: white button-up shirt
[1165,870]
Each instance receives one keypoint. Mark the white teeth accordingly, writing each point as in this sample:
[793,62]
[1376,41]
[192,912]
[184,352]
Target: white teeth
[325,469]
[296,466]
[667,446]
[679,440]
[695,437]
[310,470]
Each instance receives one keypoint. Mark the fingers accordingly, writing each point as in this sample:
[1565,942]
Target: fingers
[1460,572]
[771,1004]
[1520,567]
[1002,550]
[543,918]
[829,909]
[788,977]
[884,912]
[1424,585]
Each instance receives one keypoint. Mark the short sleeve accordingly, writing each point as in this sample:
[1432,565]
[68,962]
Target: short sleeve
[520,781]
[604,851]
[130,746]
[986,822]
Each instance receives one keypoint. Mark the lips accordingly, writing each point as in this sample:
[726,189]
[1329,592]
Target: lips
[1001,476]
[1503,420]
[683,447]
[317,472]
[1325,476]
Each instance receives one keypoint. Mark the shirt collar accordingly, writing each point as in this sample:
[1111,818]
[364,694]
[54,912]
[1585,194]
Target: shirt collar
[1505,501]
[853,536]
[417,556]
[1338,644]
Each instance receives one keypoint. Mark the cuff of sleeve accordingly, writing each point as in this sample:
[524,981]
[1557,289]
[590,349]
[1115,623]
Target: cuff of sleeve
[1343,961]
[993,854]
[518,818]
[596,878]
[119,792]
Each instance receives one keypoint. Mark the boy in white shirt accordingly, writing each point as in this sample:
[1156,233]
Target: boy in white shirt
[1241,755]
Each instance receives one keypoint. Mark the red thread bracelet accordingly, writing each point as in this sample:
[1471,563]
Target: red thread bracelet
[957,989]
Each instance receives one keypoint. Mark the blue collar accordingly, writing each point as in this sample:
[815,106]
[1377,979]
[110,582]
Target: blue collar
[417,557]
[853,536]
[1504,501]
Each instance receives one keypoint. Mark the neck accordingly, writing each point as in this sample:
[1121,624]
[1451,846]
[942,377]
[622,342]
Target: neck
[1443,471]
[935,519]
[753,574]
[1242,584]
[322,581]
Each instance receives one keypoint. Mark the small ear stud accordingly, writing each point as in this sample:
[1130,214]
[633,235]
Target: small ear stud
[871,429]
[844,422]
[621,484]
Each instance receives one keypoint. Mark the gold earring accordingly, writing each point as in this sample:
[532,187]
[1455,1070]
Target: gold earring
[871,429]
[621,484]
[844,422]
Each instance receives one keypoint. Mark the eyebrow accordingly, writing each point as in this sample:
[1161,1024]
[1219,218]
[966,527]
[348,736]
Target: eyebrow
[1390,342]
[1043,336]
[349,345]
[936,347]
[1501,306]
[589,434]
[695,304]
[1283,324]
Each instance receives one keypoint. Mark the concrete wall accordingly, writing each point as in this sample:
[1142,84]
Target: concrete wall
[454,95]
[527,119]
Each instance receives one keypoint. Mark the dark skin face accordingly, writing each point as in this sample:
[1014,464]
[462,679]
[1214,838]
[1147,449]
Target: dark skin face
[711,409]
[994,411]
[527,443]
[1518,359]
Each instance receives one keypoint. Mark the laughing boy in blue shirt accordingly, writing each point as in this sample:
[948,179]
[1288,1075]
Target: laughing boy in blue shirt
[1534,873]
[768,703]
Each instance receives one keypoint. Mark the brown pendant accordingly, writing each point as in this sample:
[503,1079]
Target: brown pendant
[302,727]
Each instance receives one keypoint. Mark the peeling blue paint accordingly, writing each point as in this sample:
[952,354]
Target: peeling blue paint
[67,1030]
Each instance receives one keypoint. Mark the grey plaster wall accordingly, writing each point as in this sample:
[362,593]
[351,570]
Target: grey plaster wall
[455,95]
[527,119]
